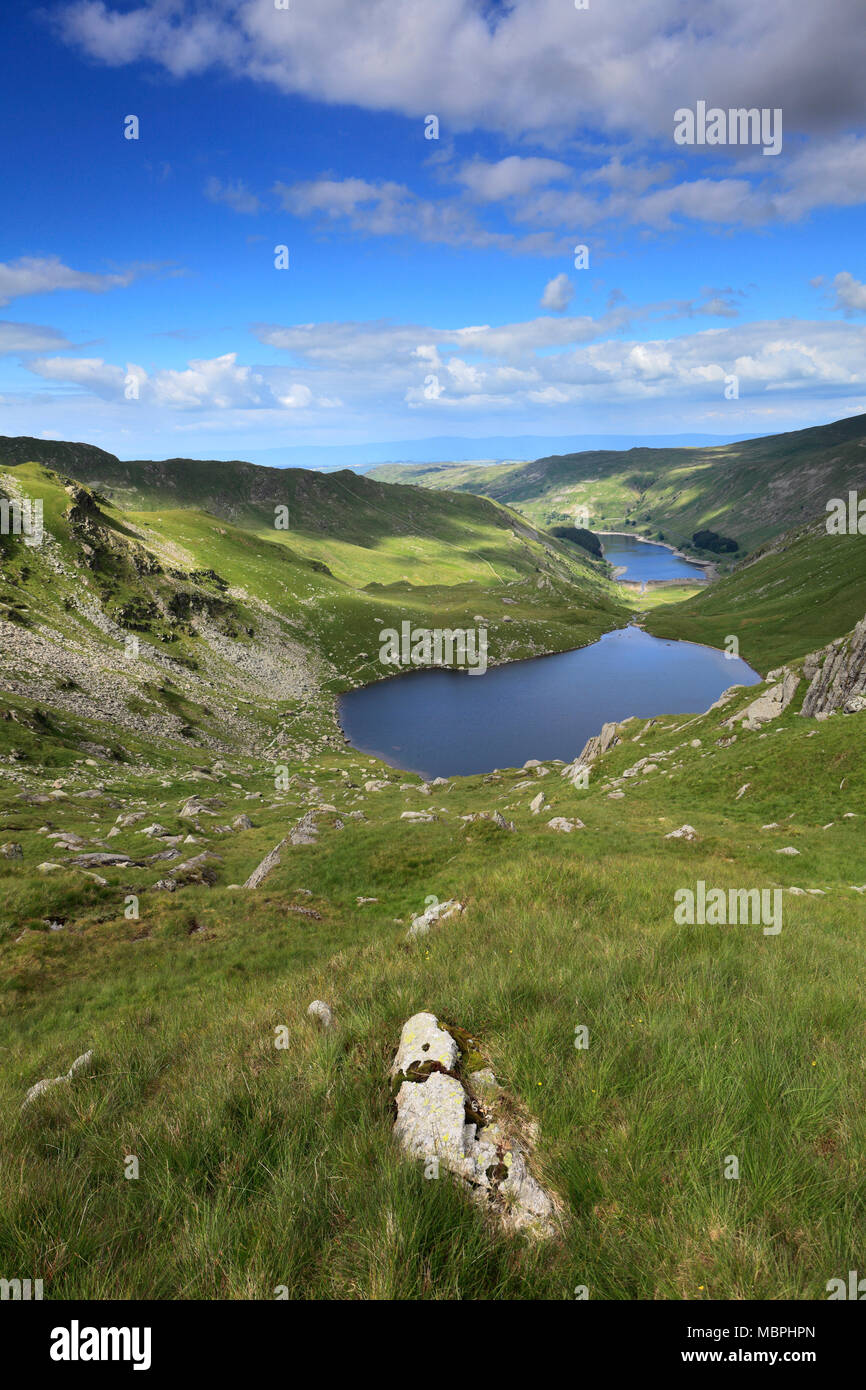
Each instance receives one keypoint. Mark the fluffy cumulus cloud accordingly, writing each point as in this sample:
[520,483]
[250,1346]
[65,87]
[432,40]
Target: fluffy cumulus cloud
[574,361]
[538,70]
[558,294]
[850,293]
[217,383]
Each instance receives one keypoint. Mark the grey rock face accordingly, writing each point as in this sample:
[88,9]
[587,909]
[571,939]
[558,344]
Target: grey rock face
[448,1125]
[80,1067]
[304,833]
[837,676]
[685,832]
[270,861]
[438,912]
[768,705]
[599,744]
[576,772]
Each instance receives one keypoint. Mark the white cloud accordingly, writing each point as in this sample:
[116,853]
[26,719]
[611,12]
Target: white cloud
[216,383]
[850,293]
[43,275]
[29,337]
[539,70]
[235,195]
[558,294]
[512,177]
[538,65]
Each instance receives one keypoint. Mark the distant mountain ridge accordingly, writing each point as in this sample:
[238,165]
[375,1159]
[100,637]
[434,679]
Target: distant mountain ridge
[752,490]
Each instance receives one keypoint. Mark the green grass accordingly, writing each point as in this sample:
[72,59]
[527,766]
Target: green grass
[785,603]
[265,1168]
[751,491]
[262,1168]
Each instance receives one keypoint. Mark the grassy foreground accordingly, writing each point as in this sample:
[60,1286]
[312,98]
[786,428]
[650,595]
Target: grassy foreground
[265,1168]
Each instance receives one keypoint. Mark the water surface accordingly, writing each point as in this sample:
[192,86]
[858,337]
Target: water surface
[644,560]
[448,723]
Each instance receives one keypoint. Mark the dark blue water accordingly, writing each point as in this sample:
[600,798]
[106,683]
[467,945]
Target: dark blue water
[643,560]
[444,723]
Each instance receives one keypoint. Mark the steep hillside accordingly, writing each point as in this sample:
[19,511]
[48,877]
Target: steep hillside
[190,855]
[751,491]
[244,632]
[265,1144]
[785,600]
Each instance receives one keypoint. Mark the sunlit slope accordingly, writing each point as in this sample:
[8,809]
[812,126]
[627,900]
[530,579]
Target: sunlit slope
[792,598]
[264,1166]
[751,491]
[233,616]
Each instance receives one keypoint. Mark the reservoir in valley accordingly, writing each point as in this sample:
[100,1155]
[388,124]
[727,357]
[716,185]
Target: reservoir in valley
[644,560]
[449,723]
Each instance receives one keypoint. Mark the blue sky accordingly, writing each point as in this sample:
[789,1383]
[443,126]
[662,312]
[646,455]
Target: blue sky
[432,288]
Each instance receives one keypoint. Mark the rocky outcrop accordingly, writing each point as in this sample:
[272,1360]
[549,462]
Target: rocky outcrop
[685,832]
[600,743]
[837,676]
[322,1014]
[437,912]
[79,1067]
[770,704]
[448,1122]
[270,861]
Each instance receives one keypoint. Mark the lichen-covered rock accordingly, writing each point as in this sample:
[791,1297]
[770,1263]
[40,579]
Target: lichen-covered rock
[443,1122]
[600,743]
[261,871]
[422,1040]
[305,832]
[577,773]
[769,705]
[11,851]
[685,832]
[321,1012]
[437,912]
[837,676]
[565,825]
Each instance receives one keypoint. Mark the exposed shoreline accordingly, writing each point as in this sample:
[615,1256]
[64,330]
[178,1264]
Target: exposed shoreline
[709,566]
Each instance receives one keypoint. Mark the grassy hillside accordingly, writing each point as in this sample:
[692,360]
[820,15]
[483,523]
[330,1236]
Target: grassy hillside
[787,600]
[751,491]
[245,621]
[263,1167]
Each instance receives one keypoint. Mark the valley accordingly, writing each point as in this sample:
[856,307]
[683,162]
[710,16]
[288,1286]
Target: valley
[191,852]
